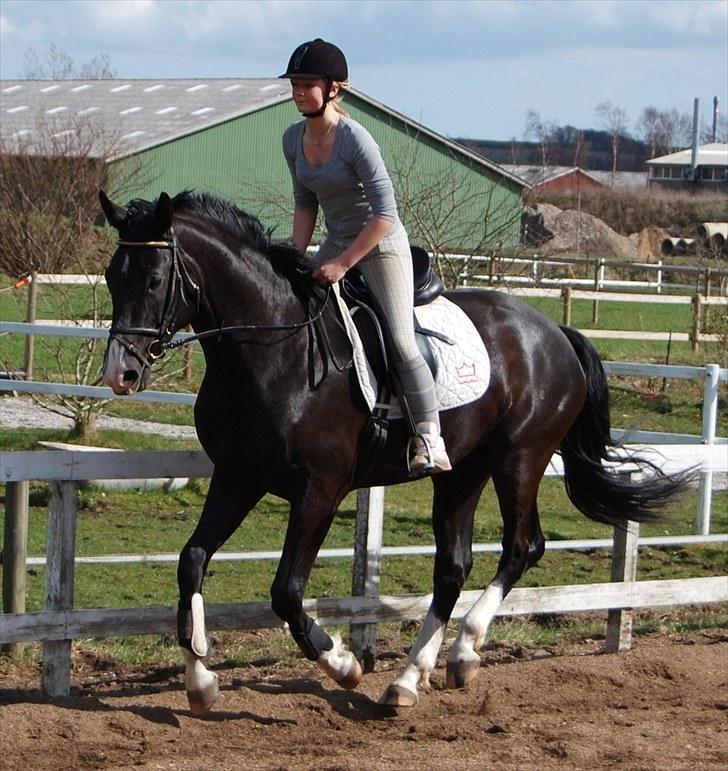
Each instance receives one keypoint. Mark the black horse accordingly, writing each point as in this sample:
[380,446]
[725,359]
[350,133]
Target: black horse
[275,415]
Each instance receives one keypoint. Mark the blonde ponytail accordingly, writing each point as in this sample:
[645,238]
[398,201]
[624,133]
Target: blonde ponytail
[343,86]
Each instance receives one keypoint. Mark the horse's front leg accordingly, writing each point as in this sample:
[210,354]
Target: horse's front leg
[307,528]
[227,503]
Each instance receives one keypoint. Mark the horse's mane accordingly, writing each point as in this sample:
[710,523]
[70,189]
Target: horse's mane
[238,224]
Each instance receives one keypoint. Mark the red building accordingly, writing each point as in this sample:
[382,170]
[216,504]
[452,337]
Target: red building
[555,179]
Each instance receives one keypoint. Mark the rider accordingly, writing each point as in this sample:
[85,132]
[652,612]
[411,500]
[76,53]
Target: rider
[336,164]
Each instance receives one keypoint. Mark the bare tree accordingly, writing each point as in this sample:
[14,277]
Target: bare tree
[648,128]
[57,64]
[453,214]
[541,131]
[614,120]
[49,182]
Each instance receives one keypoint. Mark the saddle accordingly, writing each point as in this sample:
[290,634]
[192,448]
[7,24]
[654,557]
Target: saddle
[362,307]
[427,284]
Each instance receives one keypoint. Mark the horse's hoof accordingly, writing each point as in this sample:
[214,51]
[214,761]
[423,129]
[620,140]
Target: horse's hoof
[460,673]
[397,696]
[353,678]
[201,699]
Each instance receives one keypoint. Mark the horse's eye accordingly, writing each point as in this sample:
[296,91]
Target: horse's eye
[154,283]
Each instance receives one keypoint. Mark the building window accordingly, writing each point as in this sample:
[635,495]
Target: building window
[713,173]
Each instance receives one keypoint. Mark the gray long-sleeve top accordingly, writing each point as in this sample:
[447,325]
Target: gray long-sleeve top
[351,187]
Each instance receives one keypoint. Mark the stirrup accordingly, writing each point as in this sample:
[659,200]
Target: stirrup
[426,454]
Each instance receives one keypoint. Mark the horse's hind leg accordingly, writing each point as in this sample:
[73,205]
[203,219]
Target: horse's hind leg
[228,502]
[308,525]
[455,499]
[516,482]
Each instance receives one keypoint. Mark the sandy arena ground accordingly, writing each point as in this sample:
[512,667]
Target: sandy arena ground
[662,705]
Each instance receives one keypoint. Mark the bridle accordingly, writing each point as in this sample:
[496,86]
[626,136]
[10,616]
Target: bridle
[179,288]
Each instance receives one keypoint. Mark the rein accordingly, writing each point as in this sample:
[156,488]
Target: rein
[180,282]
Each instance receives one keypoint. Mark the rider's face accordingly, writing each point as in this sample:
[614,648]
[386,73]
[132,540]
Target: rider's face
[308,93]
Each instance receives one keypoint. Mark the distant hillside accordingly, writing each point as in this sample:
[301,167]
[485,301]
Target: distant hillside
[589,149]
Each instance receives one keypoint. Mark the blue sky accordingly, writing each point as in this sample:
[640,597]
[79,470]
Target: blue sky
[465,69]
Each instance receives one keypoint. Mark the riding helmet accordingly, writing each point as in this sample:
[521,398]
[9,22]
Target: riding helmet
[317,59]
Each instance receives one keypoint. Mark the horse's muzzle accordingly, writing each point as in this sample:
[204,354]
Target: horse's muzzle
[122,371]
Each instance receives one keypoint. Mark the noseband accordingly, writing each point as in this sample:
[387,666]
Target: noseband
[181,289]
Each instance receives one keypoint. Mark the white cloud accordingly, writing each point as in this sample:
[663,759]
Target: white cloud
[465,68]
[705,17]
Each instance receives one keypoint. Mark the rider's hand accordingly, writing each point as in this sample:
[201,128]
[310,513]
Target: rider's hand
[330,272]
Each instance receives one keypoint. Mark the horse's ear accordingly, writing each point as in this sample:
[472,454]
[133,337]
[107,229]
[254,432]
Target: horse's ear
[116,215]
[163,212]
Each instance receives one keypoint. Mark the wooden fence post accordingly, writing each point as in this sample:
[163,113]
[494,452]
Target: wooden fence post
[598,278]
[30,319]
[697,312]
[60,573]
[624,568]
[566,299]
[367,566]
[491,268]
[15,552]
[705,322]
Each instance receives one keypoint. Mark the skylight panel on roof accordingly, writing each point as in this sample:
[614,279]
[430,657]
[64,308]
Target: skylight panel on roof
[84,87]
[165,110]
[65,133]
[129,110]
[203,110]
[116,89]
[11,89]
[133,135]
[48,89]
[149,89]
[54,110]
[198,87]
[271,87]
[19,108]
[87,110]
[232,88]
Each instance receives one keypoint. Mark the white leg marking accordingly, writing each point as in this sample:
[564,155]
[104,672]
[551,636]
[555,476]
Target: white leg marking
[474,626]
[423,656]
[199,636]
[200,684]
[341,664]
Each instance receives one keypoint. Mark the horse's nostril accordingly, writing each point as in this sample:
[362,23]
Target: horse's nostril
[130,376]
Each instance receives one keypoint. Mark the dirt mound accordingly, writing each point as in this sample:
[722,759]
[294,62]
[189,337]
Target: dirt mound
[660,706]
[575,231]
[572,231]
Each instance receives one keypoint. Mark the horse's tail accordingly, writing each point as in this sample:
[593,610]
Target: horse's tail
[597,491]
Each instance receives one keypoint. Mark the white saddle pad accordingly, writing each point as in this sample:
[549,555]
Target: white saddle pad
[463,368]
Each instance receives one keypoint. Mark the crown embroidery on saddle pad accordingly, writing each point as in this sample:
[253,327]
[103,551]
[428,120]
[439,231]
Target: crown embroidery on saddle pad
[463,366]
[466,373]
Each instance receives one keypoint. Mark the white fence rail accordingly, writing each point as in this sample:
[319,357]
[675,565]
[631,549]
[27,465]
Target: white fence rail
[60,623]
[495,269]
